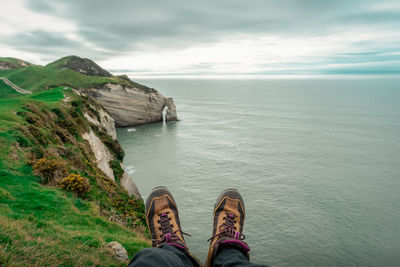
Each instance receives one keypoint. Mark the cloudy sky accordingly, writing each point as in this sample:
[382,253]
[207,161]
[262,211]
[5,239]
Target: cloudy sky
[208,38]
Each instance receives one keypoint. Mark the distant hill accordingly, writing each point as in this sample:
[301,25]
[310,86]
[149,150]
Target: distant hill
[12,63]
[81,65]
[69,71]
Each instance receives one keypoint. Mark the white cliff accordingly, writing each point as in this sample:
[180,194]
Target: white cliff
[129,185]
[103,156]
[106,122]
[171,111]
[131,106]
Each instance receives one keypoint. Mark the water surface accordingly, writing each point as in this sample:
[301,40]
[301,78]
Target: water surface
[317,162]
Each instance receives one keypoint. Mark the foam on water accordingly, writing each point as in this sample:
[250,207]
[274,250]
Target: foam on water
[130,169]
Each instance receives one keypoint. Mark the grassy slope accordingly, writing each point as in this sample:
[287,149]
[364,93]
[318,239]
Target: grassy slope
[59,62]
[7,91]
[74,62]
[42,225]
[11,60]
[38,78]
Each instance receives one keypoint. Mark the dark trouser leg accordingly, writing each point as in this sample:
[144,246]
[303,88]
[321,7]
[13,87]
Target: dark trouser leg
[231,257]
[165,255]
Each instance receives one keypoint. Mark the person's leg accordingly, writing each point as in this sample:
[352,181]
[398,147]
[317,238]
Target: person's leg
[169,246]
[165,255]
[227,248]
[232,257]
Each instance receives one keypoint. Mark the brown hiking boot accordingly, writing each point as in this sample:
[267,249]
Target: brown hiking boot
[163,219]
[228,217]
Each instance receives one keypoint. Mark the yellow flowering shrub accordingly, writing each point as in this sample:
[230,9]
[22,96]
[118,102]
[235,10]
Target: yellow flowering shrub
[50,169]
[75,183]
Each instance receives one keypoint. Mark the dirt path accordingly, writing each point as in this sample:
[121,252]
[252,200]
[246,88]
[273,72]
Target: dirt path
[14,86]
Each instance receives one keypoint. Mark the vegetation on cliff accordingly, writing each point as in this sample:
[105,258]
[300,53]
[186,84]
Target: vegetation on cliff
[68,71]
[56,206]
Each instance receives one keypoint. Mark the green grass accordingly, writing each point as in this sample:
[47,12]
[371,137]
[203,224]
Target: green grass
[11,60]
[43,225]
[7,91]
[11,105]
[59,62]
[38,78]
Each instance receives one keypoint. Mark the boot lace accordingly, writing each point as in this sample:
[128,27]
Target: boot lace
[228,229]
[168,236]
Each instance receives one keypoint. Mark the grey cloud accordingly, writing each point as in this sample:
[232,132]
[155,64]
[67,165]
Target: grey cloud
[115,28]
[54,44]
[127,25]
[41,41]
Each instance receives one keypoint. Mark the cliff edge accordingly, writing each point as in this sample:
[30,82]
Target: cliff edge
[63,188]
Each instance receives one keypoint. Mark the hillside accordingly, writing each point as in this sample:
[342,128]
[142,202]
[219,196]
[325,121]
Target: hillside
[67,71]
[41,223]
[60,204]
[81,65]
[12,63]
[7,91]
[128,102]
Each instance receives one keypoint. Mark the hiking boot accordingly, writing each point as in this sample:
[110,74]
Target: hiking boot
[163,219]
[228,217]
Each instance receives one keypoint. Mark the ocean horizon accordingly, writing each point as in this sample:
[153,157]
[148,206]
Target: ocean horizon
[317,162]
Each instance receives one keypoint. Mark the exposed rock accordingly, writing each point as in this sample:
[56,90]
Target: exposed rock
[171,111]
[129,185]
[15,64]
[131,106]
[101,153]
[7,65]
[81,65]
[118,251]
[106,122]
[124,77]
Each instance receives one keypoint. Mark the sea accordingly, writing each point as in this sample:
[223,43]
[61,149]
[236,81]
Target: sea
[317,162]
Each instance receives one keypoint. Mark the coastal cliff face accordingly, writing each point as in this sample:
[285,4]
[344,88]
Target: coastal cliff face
[104,121]
[171,111]
[60,155]
[117,102]
[131,106]
[129,103]
[63,189]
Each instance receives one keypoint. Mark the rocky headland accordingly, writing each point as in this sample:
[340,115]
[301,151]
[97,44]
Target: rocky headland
[122,102]
[63,188]
[128,102]
[130,105]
